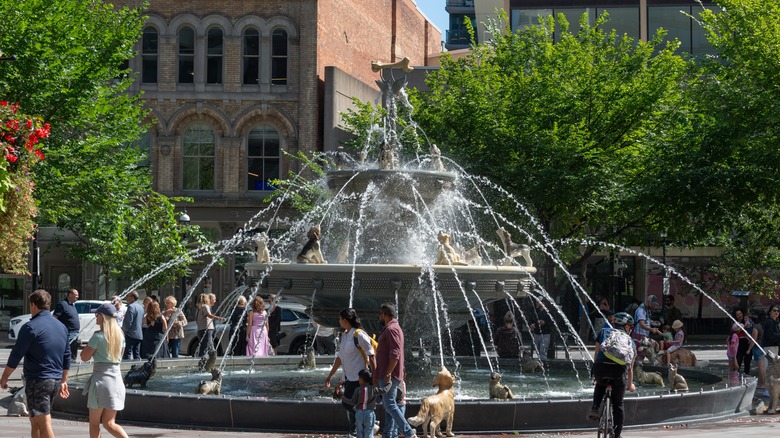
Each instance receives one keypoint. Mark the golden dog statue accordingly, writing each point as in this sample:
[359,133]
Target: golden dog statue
[647,378]
[676,381]
[682,357]
[447,254]
[497,390]
[437,408]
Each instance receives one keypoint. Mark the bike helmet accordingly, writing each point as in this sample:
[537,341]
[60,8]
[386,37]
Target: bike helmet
[623,318]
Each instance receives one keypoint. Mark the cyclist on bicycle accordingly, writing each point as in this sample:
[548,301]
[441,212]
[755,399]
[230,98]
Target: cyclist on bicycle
[607,370]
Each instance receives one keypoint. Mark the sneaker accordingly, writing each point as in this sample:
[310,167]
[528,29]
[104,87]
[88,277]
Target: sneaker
[593,415]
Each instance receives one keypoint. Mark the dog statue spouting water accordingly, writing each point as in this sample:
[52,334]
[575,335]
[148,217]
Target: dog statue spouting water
[497,390]
[213,386]
[311,253]
[437,408]
[513,250]
[140,373]
[208,361]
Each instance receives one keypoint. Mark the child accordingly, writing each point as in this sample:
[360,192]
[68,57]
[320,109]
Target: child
[668,336]
[679,338]
[731,346]
[364,400]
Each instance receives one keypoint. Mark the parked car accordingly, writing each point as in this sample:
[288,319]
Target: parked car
[86,310]
[295,325]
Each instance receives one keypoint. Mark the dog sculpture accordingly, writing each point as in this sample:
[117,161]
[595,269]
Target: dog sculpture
[647,348]
[647,377]
[436,163]
[213,386]
[676,381]
[529,364]
[497,390]
[140,373]
[682,357]
[437,408]
[471,256]
[308,360]
[311,250]
[773,379]
[513,250]
[447,254]
[18,405]
[208,361]
[261,239]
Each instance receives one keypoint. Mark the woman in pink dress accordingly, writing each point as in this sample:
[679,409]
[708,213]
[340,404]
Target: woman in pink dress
[257,343]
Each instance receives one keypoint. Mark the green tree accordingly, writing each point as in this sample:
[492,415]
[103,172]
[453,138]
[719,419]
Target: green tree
[570,127]
[69,70]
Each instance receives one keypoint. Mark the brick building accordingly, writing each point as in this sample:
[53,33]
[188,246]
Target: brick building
[234,84]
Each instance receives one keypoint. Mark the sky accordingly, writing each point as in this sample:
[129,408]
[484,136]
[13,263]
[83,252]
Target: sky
[434,10]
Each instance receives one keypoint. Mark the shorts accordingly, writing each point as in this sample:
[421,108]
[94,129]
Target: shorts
[757,353]
[40,394]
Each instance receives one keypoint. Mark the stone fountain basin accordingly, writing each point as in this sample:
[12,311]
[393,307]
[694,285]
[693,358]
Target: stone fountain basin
[326,288]
[325,416]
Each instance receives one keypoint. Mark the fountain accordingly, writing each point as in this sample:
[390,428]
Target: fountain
[395,230]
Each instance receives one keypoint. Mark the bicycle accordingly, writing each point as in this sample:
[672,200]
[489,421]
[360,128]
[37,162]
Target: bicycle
[606,427]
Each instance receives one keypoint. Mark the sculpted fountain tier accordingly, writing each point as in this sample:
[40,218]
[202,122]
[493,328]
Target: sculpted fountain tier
[393,233]
[396,225]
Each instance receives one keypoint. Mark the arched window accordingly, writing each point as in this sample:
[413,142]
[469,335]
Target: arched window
[198,157]
[251,66]
[263,154]
[279,57]
[186,55]
[214,49]
[149,47]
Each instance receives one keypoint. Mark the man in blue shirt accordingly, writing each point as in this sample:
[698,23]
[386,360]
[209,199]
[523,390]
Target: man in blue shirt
[69,317]
[131,326]
[43,343]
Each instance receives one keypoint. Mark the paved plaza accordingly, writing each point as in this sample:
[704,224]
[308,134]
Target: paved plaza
[71,427]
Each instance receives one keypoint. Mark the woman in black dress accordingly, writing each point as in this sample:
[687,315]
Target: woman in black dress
[154,328]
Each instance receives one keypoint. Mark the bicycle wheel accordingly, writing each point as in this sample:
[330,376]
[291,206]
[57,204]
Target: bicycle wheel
[606,422]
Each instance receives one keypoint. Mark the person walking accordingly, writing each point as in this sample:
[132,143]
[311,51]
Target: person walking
[274,322]
[205,321]
[132,327]
[257,333]
[43,344]
[176,321]
[390,368]
[105,389]
[356,352]
[744,355]
[541,328]
[66,312]
[238,320]
[613,369]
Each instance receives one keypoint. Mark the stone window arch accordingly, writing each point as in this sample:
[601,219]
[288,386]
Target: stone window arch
[264,146]
[250,70]
[215,49]
[186,74]
[198,157]
[150,42]
[279,54]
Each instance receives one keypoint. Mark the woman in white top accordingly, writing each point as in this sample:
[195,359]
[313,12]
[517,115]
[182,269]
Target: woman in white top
[352,358]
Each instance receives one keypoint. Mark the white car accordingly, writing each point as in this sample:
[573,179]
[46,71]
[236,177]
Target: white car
[296,326]
[86,310]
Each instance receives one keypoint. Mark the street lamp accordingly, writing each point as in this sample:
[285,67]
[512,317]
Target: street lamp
[184,220]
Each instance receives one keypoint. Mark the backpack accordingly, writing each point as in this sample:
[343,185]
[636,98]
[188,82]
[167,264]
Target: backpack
[374,344]
[618,347]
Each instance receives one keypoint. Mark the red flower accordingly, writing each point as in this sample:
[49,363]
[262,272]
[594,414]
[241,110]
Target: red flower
[11,158]
[3,103]
[39,153]
[29,124]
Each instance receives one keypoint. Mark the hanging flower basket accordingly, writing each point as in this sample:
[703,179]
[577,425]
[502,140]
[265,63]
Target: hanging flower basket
[20,149]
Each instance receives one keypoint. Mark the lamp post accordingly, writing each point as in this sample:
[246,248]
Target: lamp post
[184,220]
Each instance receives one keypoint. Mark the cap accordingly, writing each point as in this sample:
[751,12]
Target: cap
[107,309]
[653,299]
[677,324]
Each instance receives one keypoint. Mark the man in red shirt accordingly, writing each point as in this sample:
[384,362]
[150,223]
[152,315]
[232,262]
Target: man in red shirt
[390,368]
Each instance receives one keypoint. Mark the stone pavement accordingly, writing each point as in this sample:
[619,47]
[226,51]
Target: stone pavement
[71,427]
